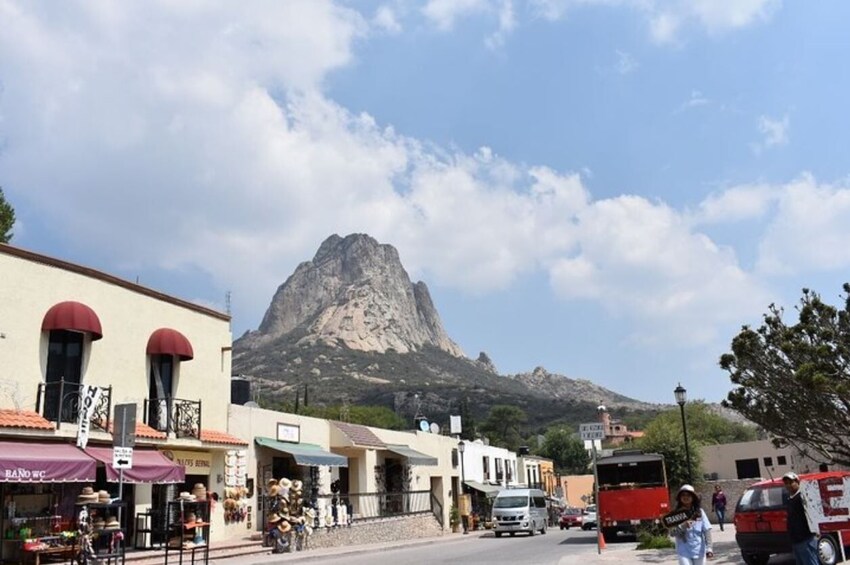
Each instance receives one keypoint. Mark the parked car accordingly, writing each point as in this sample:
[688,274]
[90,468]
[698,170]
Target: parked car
[761,517]
[570,517]
[588,521]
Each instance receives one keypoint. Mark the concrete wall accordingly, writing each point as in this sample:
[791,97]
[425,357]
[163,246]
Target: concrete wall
[722,459]
[576,486]
[386,530]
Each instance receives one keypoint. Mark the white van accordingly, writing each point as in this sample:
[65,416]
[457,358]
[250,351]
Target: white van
[520,510]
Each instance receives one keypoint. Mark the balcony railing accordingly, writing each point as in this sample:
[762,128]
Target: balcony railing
[375,505]
[60,402]
[174,416]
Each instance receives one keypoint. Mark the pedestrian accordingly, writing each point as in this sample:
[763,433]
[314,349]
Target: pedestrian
[693,536]
[804,542]
[718,504]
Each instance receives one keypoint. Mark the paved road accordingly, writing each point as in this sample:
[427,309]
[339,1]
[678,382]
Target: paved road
[570,547]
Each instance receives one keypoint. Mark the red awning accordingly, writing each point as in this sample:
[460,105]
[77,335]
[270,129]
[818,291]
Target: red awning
[149,466]
[34,462]
[75,316]
[166,341]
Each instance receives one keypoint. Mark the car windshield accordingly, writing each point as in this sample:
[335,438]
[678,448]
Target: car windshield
[510,502]
[572,512]
[762,498]
[591,508]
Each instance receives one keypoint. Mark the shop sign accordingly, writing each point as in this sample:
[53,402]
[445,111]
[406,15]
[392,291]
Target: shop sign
[89,395]
[23,474]
[288,432]
[195,462]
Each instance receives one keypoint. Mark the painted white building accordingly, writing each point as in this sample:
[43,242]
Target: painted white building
[487,468]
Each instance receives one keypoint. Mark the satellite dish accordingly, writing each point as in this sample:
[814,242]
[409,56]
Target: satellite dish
[435,428]
[424,425]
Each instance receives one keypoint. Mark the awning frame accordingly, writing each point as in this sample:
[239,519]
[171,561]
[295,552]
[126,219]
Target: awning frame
[305,454]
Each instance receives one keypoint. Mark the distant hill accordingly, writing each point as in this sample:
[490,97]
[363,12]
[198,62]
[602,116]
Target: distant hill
[352,326]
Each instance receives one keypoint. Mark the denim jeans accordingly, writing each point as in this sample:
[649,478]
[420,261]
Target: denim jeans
[806,552]
[721,516]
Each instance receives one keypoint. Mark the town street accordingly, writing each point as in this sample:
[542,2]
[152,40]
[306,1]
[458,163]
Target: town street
[571,547]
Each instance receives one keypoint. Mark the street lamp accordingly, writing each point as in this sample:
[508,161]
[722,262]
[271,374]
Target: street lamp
[681,397]
[461,446]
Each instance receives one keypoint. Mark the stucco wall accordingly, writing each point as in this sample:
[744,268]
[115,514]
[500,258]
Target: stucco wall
[721,459]
[28,289]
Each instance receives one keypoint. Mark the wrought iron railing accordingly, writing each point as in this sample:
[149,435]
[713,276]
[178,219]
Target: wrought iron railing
[60,402]
[437,508]
[375,505]
[174,416]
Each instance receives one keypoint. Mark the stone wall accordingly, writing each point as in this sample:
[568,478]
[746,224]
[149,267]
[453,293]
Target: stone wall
[733,488]
[384,530]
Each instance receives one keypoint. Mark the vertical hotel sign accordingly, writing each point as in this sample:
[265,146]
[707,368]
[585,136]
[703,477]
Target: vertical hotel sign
[89,397]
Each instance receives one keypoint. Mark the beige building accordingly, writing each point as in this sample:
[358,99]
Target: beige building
[578,490]
[753,459]
[70,335]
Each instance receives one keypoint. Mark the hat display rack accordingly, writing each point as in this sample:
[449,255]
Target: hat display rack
[188,527]
[99,532]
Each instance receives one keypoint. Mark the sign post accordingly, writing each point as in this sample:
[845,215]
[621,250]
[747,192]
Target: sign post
[594,432]
[123,440]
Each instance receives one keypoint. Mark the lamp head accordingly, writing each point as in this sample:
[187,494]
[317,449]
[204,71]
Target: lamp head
[461,446]
[681,395]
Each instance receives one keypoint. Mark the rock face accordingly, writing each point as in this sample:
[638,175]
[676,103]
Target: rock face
[355,293]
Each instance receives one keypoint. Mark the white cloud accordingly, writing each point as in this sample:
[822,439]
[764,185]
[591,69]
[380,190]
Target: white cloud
[775,131]
[507,24]
[625,63]
[738,203]
[385,19]
[695,100]
[444,13]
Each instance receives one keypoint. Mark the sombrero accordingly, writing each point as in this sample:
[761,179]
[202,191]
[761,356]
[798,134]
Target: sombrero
[275,518]
[87,496]
[112,522]
[285,483]
[297,485]
[187,496]
[284,526]
[103,496]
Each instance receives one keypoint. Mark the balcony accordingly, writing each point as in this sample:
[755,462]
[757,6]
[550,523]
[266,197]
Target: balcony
[176,416]
[60,402]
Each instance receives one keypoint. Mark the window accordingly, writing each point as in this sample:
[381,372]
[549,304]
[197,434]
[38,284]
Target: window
[485,461]
[780,460]
[64,363]
[161,390]
[768,461]
[499,473]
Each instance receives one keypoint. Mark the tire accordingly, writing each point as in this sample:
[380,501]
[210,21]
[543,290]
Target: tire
[543,529]
[498,534]
[755,558]
[828,551]
[609,535]
[562,527]
[532,531]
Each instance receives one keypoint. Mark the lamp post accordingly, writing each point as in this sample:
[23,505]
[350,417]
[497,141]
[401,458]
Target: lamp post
[681,398]
[461,446]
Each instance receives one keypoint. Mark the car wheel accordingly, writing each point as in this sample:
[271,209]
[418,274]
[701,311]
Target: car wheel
[532,531]
[827,550]
[498,534]
[562,527]
[543,529]
[755,558]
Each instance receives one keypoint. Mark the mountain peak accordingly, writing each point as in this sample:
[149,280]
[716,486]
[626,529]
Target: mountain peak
[355,292]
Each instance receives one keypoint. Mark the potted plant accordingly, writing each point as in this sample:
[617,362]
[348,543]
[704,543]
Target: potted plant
[454,519]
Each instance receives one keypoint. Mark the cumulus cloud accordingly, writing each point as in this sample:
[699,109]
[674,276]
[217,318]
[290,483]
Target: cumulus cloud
[775,131]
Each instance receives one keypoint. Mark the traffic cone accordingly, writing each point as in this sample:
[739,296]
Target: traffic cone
[601,540]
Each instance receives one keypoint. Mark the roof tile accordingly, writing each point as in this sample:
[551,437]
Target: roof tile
[360,435]
[23,419]
[215,436]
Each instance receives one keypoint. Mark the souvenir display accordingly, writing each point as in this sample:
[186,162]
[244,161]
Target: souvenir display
[289,521]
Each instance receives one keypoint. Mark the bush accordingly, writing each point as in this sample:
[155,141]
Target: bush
[654,538]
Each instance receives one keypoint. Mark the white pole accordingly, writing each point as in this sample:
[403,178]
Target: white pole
[596,499]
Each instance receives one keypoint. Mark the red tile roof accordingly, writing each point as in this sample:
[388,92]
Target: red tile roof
[23,419]
[143,430]
[214,436]
[360,435]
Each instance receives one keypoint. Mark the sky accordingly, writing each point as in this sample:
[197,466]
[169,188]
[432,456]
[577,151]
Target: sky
[609,189]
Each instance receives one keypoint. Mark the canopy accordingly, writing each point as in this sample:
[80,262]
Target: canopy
[489,490]
[149,466]
[413,457]
[305,454]
[44,463]
[166,341]
[74,316]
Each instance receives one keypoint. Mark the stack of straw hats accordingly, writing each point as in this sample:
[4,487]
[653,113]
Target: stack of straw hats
[187,497]
[111,523]
[103,497]
[199,491]
[87,496]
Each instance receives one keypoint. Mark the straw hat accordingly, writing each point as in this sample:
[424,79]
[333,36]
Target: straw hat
[275,518]
[187,496]
[271,483]
[200,491]
[87,496]
[112,522]
[297,485]
[103,496]
[284,526]
[285,483]
[98,523]
[274,490]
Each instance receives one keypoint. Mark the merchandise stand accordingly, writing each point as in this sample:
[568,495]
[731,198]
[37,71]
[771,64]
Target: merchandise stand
[188,531]
[101,538]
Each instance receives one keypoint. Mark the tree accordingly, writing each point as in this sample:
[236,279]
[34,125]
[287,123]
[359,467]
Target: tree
[794,380]
[503,425]
[7,219]
[664,435]
[467,422]
[568,452]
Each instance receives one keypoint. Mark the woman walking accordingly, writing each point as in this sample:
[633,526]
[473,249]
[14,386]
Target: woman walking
[693,537]
[718,504]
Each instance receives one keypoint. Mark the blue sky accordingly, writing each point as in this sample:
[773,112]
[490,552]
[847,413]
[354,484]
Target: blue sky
[606,188]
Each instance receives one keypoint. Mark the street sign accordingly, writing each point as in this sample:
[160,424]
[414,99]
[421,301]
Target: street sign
[122,457]
[592,431]
[124,426]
